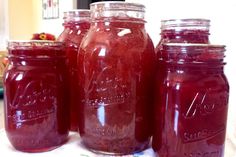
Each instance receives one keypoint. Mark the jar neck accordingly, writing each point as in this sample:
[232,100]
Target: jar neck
[117,12]
[36,49]
[118,23]
[197,57]
[52,62]
[185,30]
[185,36]
[77,24]
[76,18]
[207,68]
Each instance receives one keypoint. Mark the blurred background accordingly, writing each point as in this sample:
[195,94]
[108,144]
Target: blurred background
[20,19]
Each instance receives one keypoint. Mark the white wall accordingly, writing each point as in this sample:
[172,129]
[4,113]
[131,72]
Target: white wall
[25,18]
[53,26]
[222,14]
[3,24]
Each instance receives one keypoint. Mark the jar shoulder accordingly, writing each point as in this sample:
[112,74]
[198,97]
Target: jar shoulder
[123,39]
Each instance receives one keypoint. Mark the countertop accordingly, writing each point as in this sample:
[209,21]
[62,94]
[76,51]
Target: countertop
[73,147]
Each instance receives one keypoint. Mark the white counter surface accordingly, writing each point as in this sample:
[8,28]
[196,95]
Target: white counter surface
[72,148]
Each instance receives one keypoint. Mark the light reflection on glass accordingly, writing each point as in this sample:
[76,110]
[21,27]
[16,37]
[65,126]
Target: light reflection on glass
[124,32]
[101,113]
[102,52]
[176,122]
[19,77]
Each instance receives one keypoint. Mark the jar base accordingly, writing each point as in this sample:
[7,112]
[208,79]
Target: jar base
[41,150]
[113,153]
[38,150]
[117,153]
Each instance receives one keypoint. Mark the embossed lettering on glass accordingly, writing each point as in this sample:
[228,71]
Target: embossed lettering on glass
[35,95]
[191,112]
[116,67]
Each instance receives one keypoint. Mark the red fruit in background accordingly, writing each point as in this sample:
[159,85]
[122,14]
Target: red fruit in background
[43,36]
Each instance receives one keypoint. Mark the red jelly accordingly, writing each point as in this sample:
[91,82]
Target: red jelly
[116,66]
[184,31]
[35,96]
[191,101]
[76,25]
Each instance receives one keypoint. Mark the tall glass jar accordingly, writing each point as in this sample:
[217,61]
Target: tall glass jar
[192,101]
[116,67]
[76,24]
[35,95]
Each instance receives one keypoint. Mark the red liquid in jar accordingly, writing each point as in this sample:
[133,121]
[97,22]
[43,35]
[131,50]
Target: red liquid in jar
[72,36]
[184,31]
[192,103]
[185,36]
[35,97]
[116,64]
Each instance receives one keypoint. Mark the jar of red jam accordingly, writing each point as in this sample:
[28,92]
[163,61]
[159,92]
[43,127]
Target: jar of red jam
[191,101]
[116,70]
[76,24]
[35,95]
[182,31]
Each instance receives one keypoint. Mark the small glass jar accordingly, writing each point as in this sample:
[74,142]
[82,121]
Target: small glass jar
[35,95]
[116,67]
[191,101]
[76,24]
[182,31]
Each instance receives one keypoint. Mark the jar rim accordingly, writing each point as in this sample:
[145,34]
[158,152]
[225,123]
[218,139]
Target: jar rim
[194,45]
[76,14]
[193,48]
[77,10]
[113,10]
[29,44]
[117,5]
[35,49]
[182,52]
[197,23]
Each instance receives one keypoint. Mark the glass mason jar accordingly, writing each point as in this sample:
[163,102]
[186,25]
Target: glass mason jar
[36,115]
[192,101]
[116,67]
[76,24]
